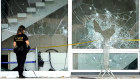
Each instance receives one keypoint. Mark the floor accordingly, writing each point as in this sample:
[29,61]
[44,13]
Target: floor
[132,77]
[72,78]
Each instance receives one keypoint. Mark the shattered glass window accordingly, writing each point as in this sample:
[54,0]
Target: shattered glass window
[100,20]
[51,31]
[117,61]
[46,25]
[55,23]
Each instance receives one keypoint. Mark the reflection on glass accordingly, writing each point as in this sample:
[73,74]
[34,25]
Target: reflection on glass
[99,20]
[49,29]
[95,61]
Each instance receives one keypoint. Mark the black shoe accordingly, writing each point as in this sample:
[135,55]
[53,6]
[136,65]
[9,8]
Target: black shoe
[22,76]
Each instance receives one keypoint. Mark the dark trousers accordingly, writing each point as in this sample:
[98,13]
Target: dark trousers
[21,57]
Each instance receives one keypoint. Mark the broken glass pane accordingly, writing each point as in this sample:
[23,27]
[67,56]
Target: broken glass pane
[55,23]
[49,31]
[99,20]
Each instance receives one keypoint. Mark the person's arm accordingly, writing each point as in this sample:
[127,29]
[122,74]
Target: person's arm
[14,44]
[27,42]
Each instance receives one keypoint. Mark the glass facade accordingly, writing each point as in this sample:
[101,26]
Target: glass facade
[107,23]
[113,20]
[46,23]
[111,25]
[117,61]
